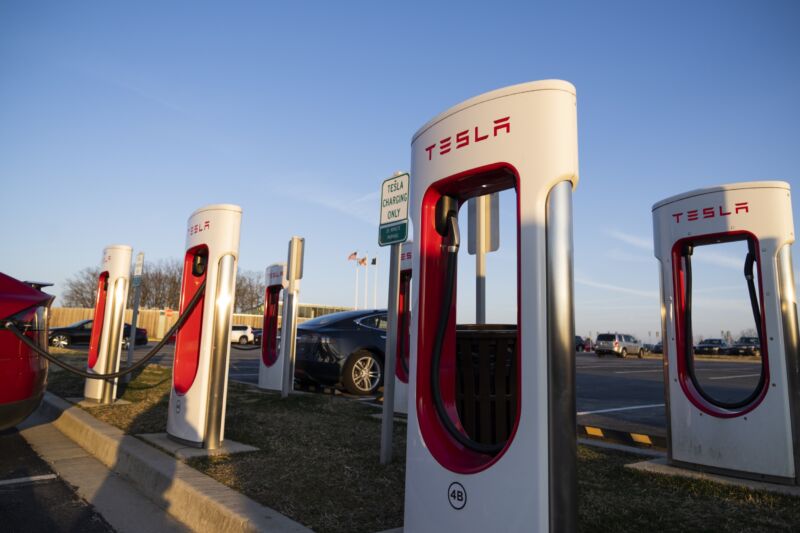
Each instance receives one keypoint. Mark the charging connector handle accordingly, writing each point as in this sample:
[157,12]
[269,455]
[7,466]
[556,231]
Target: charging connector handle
[10,326]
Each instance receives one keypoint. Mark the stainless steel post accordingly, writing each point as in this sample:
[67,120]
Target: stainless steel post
[561,361]
[390,359]
[113,340]
[220,351]
[294,272]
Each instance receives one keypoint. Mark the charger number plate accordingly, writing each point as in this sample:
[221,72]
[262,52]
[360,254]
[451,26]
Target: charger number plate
[457,495]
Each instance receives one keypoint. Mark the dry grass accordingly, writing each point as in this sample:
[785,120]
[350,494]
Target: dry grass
[318,463]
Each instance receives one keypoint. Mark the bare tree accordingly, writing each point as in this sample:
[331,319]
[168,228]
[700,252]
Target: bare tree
[250,288]
[81,289]
[161,284]
[161,287]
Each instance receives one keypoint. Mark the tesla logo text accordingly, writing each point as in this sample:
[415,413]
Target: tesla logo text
[273,275]
[405,256]
[199,228]
[711,212]
[465,137]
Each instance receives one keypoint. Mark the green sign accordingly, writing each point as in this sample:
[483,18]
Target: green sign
[393,234]
[394,210]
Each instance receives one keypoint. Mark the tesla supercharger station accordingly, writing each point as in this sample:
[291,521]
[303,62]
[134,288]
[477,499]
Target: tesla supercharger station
[491,425]
[105,343]
[403,329]
[756,436]
[202,348]
[270,371]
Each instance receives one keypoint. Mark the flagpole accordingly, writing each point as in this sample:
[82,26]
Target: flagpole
[366,281]
[356,304]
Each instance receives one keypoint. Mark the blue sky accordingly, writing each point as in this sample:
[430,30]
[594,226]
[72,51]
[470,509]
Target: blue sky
[117,120]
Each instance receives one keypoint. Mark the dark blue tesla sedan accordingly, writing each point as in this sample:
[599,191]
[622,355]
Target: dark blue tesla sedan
[343,349]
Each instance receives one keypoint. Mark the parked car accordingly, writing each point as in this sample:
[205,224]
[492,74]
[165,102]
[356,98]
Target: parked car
[579,343]
[658,348]
[257,332]
[344,349]
[242,334]
[711,347]
[618,344]
[648,348]
[745,346]
[81,331]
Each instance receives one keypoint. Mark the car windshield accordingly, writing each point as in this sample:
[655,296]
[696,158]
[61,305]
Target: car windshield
[747,340]
[78,324]
[605,337]
[712,341]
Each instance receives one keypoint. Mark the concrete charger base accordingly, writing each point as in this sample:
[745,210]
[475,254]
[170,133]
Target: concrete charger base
[182,451]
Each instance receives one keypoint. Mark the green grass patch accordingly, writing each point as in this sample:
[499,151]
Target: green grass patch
[318,463]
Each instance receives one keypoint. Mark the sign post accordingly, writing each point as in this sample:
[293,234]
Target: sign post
[137,294]
[393,231]
[484,236]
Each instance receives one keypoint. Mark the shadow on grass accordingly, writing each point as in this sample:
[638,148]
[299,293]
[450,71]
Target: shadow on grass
[317,460]
[318,464]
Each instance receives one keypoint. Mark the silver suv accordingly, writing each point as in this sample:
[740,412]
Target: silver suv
[619,344]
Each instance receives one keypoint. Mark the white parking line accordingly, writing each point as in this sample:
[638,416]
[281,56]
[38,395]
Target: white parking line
[639,371]
[736,377]
[614,410]
[30,479]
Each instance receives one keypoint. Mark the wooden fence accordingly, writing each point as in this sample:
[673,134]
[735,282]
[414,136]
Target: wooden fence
[158,321]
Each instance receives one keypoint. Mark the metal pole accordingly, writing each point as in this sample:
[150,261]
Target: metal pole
[375,285]
[366,281]
[220,351]
[391,356]
[357,267]
[294,272]
[562,435]
[480,259]
[137,295]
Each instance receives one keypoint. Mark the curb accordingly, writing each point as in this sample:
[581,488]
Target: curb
[193,498]
[639,440]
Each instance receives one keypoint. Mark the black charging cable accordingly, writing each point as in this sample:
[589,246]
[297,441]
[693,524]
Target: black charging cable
[451,248]
[687,320]
[10,326]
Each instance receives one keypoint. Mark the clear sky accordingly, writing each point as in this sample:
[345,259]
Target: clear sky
[117,120]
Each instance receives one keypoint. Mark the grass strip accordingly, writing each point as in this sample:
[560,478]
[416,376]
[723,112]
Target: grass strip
[318,464]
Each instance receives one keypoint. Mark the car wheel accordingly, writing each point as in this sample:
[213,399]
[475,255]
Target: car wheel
[60,341]
[757,353]
[598,354]
[362,373]
[243,339]
[641,353]
[624,353]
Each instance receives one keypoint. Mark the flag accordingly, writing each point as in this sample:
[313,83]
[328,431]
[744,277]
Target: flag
[353,257]
[362,261]
[374,260]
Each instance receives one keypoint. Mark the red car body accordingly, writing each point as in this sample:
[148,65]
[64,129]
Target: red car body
[23,374]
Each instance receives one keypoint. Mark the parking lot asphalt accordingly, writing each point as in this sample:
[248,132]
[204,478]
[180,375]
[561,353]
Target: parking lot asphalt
[34,499]
[623,394]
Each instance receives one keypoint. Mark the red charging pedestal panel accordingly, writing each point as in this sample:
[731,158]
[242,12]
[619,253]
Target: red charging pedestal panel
[187,344]
[99,318]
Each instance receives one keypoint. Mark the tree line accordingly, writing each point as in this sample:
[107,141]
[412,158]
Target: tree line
[161,288]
